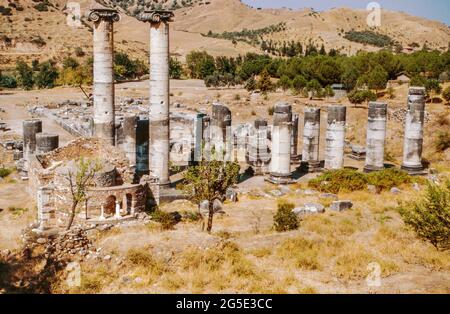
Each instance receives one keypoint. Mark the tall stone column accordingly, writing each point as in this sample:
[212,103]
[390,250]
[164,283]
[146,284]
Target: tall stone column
[31,127]
[294,144]
[311,138]
[280,168]
[159,147]
[104,115]
[129,137]
[257,149]
[376,136]
[221,131]
[335,137]
[415,117]
[142,146]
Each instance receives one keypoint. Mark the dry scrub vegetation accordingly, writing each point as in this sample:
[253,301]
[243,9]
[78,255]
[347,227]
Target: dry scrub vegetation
[328,253]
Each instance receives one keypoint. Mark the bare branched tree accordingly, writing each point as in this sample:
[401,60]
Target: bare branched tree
[78,183]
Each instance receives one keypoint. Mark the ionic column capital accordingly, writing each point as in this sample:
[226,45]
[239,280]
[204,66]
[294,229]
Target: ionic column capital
[156,16]
[111,15]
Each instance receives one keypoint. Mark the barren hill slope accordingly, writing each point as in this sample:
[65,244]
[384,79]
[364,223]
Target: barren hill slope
[29,33]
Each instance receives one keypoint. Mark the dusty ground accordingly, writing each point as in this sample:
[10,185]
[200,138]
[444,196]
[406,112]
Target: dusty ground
[329,253]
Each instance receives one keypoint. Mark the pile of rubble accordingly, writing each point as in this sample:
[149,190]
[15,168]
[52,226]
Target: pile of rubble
[399,115]
[61,247]
[89,148]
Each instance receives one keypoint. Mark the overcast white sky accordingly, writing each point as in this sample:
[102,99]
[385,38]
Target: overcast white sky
[431,9]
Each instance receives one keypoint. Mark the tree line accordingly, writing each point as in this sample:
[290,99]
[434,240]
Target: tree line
[70,72]
[317,72]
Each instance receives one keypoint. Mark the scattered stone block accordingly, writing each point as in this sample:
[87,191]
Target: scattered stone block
[329,196]
[276,193]
[232,195]
[395,190]
[217,206]
[41,240]
[372,189]
[341,205]
[416,187]
[310,208]
[285,189]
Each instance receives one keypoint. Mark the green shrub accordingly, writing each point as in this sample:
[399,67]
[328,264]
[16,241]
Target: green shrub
[175,68]
[442,141]
[388,178]
[430,216]
[167,220]
[251,84]
[17,211]
[7,81]
[79,52]
[41,7]
[285,219]
[360,96]
[370,38]
[46,76]
[446,94]
[5,11]
[4,172]
[24,75]
[342,180]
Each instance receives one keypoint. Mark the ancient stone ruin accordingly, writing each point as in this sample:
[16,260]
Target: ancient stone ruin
[136,140]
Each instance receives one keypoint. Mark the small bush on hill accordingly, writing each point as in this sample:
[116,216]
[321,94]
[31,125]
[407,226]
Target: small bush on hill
[285,219]
[41,7]
[360,96]
[388,178]
[370,38]
[430,216]
[335,181]
[167,220]
[4,172]
[7,81]
[446,94]
[442,141]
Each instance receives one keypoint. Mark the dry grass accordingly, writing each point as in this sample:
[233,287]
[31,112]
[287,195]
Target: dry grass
[301,253]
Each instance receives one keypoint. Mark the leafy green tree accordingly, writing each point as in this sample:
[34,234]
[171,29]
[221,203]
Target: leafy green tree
[285,82]
[24,75]
[7,81]
[328,91]
[314,87]
[350,76]
[209,181]
[377,78]
[46,76]
[433,85]
[200,64]
[264,83]
[430,216]
[360,96]
[322,50]
[70,63]
[299,83]
[175,69]
[251,84]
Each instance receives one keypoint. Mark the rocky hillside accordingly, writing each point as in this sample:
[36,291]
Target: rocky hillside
[38,29]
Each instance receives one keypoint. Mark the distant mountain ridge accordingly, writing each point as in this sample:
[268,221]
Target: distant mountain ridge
[30,33]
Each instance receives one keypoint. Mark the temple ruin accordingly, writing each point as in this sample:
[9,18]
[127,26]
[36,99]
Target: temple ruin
[137,140]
